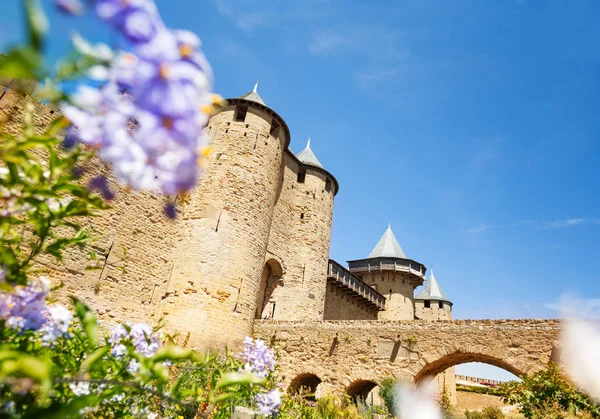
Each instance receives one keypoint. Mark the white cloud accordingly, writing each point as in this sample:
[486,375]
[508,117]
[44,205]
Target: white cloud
[479,229]
[569,222]
[588,308]
[377,52]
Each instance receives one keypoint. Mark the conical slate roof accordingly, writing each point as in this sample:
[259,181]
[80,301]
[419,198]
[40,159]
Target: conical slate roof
[388,246]
[307,156]
[253,95]
[432,291]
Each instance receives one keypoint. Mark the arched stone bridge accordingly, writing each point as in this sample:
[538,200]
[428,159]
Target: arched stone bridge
[355,355]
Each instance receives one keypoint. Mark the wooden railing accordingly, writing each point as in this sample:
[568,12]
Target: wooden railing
[345,278]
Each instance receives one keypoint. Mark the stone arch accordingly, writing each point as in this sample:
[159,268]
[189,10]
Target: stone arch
[432,369]
[270,279]
[360,389]
[306,383]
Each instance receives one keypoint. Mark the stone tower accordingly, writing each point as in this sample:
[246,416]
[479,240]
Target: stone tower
[431,303]
[219,258]
[393,275]
[294,281]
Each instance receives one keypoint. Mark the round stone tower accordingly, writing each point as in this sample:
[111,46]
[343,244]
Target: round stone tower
[295,280]
[431,303]
[393,275]
[213,291]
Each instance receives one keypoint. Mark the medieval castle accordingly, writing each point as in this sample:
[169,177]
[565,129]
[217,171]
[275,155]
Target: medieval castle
[249,254]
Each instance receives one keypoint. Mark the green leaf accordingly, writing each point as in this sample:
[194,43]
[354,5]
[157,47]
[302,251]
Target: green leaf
[234,378]
[21,63]
[18,364]
[37,23]
[173,353]
[92,358]
[88,321]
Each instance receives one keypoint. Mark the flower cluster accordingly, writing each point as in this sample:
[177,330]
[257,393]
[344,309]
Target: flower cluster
[268,403]
[259,358]
[144,340]
[25,309]
[147,120]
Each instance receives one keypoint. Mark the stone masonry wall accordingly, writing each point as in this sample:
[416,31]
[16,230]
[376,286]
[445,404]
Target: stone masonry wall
[340,305]
[434,312]
[341,353]
[299,240]
[122,272]
[220,255]
[398,289]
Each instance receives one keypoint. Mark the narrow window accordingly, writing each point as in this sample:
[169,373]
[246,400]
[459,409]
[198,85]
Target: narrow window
[441,304]
[301,175]
[240,113]
[328,185]
[427,304]
[302,216]
[274,129]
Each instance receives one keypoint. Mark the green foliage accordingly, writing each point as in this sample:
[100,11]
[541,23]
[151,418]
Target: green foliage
[213,388]
[489,412]
[547,394]
[40,198]
[80,373]
[386,392]
[493,391]
[445,404]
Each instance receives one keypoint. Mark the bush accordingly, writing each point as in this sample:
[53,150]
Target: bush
[386,392]
[489,412]
[547,394]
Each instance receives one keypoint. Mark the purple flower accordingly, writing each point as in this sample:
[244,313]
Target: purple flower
[170,210]
[24,308]
[137,20]
[268,403]
[70,7]
[58,322]
[144,340]
[151,135]
[259,358]
[100,184]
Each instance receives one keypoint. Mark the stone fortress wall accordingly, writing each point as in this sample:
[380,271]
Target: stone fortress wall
[248,253]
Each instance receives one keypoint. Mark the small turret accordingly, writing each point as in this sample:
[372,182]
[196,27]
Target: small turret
[432,303]
[307,156]
[393,275]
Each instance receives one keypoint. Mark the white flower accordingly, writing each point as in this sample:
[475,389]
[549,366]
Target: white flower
[81,388]
[417,403]
[100,51]
[152,415]
[580,354]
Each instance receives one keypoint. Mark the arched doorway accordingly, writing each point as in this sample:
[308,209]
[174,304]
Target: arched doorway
[432,369]
[457,386]
[305,384]
[362,390]
[270,280]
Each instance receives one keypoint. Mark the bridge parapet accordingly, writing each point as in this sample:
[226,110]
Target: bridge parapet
[341,352]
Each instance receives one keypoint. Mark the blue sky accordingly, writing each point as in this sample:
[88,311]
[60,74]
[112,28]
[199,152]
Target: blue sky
[471,126]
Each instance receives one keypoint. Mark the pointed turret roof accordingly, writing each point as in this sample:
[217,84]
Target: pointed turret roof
[432,291]
[253,95]
[388,246]
[307,156]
